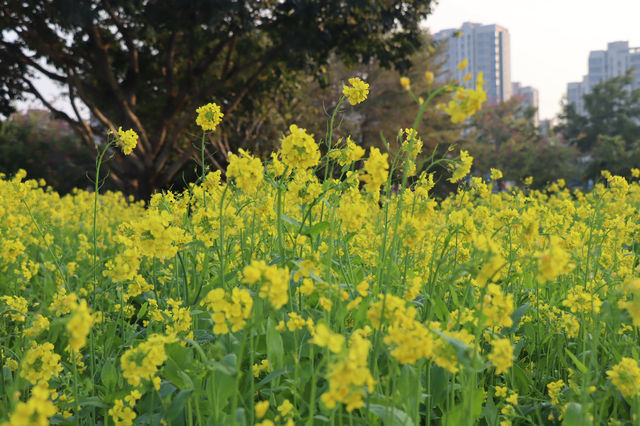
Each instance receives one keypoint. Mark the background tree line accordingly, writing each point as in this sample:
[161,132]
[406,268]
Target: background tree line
[148,65]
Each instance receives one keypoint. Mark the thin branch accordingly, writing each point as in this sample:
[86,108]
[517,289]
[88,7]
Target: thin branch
[227,60]
[85,126]
[92,106]
[60,114]
[113,84]
[213,160]
[134,69]
[30,62]
[177,165]
[169,73]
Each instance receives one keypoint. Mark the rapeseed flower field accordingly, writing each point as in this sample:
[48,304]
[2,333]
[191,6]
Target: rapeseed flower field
[276,297]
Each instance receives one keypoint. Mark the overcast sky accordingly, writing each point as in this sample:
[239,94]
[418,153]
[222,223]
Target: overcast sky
[550,39]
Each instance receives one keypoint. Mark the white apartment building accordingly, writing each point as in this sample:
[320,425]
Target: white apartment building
[529,96]
[487,48]
[604,65]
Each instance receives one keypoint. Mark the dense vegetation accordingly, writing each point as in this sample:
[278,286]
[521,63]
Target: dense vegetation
[274,296]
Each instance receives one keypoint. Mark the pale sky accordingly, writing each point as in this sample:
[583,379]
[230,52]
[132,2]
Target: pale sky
[550,39]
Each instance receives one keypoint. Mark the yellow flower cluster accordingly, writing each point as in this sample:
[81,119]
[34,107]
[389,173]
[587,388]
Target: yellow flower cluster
[554,389]
[554,261]
[232,307]
[142,362]
[36,411]
[466,102]
[273,281]
[324,337]
[631,289]
[412,145]
[209,116]
[127,140]
[462,168]
[17,307]
[376,169]
[299,150]
[40,363]
[79,326]
[124,415]
[496,307]
[350,374]
[501,355]
[626,377]
[246,171]
[357,92]
[350,153]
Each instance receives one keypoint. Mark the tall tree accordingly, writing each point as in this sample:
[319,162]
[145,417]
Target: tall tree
[504,136]
[611,109]
[147,64]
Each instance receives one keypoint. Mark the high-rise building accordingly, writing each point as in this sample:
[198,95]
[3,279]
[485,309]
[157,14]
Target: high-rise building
[529,96]
[487,48]
[604,65]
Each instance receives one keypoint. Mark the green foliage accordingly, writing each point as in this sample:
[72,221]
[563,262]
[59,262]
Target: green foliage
[609,132]
[46,148]
[614,154]
[503,136]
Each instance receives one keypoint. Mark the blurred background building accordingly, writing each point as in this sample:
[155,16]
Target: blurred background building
[529,96]
[604,65]
[487,48]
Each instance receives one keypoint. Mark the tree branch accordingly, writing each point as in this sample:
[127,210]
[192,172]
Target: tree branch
[177,165]
[60,114]
[134,67]
[113,84]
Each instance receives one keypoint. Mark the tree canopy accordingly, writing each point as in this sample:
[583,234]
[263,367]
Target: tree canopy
[608,134]
[611,109]
[504,136]
[148,64]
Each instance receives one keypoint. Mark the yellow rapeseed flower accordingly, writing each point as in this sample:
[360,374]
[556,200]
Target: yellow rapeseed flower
[261,408]
[462,168]
[127,140]
[501,355]
[429,76]
[247,171]
[209,116]
[357,92]
[299,150]
[626,377]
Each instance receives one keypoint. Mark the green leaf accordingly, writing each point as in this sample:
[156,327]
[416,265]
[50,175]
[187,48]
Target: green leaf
[275,349]
[142,311]
[92,401]
[290,220]
[316,229]
[391,416]
[516,317]
[178,403]
[109,376]
[576,361]
[227,365]
[438,385]
[464,353]
[275,374]
[490,412]
[175,375]
[576,415]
